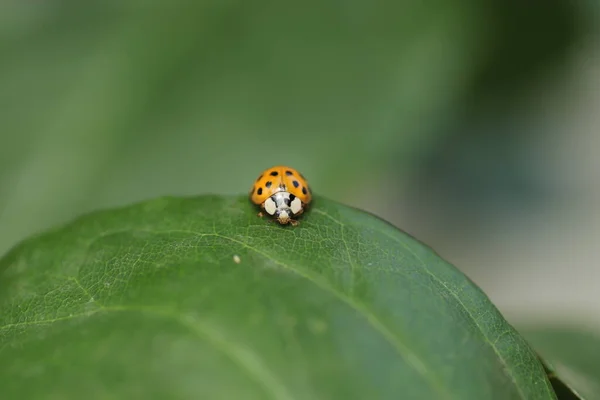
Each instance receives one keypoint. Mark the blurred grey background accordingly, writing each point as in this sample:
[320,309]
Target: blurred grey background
[473,125]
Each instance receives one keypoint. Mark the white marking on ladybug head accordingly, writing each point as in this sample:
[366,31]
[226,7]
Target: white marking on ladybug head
[270,206]
[283,205]
[296,205]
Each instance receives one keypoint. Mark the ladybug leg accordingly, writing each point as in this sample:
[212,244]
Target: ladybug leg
[293,222]
[262,214]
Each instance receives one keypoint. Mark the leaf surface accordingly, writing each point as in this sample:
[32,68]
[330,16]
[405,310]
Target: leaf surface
[184,298]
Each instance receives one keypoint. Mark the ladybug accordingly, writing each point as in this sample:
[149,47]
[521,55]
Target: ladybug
[281,192]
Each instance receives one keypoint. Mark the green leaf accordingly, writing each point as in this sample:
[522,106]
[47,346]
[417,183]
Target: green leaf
[148,301]
[571,355]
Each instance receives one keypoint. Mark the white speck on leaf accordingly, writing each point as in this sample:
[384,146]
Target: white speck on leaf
[237,259]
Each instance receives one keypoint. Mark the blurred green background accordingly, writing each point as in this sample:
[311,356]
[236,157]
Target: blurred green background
[471,124]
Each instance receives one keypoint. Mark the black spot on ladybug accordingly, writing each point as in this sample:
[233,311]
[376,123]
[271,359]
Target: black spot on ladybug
[296,184]
[304,190]
[259,178]
[259,191]
[274,173]
[292,197]
[268,184]
[289,173]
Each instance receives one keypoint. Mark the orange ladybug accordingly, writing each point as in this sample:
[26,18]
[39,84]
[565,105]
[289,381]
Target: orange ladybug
[281,192]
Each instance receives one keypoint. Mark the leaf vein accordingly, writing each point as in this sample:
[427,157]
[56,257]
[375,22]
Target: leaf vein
[412,359]
[487,339]
[245,359]
[49,321]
